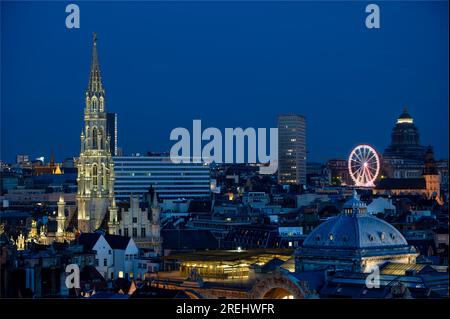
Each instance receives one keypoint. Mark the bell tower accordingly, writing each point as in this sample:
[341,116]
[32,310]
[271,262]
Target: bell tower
[431,175]
[95,166]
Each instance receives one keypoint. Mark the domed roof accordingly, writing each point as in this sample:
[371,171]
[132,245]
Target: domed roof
[405,117]
[354,228]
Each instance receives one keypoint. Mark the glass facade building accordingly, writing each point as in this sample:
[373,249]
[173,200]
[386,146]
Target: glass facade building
[291,149]
[135,175]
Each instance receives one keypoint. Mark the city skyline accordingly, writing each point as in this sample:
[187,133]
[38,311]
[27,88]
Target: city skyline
[143,113]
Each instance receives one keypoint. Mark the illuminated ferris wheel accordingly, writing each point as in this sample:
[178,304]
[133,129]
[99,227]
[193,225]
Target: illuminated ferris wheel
[364,165]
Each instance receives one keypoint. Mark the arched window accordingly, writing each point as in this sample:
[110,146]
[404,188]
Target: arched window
[94,175]
[94,138]
[102,145]
[94,104]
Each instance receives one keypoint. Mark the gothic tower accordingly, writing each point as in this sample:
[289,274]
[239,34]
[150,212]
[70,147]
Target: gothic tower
[431,175]
[61,219]
[95,165]
[156,223]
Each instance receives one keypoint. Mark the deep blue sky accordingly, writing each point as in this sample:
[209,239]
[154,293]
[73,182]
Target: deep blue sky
[229,64]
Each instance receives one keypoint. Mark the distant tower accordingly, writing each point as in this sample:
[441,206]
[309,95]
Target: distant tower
[156,225]
[431,175]
[61,219]
[405,142]
[95,166]
[113,224]
[291,149]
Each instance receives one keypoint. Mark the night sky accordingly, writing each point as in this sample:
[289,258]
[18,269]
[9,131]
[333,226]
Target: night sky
[229,64]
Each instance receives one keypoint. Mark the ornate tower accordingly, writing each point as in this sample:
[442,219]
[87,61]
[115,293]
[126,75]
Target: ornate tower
[431,175]
[405,141]
[95,165]
[156,225]
[113,224]
[61,219]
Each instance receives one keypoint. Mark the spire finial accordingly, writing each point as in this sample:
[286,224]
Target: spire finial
[95,80]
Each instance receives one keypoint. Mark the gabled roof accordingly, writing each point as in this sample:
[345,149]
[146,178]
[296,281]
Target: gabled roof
[90,273]
[88,240]
[117,242]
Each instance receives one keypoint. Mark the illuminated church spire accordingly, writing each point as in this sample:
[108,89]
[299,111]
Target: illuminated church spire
[95,166]
[95,79]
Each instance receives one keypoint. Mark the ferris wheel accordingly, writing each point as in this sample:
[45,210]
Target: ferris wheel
[364,165]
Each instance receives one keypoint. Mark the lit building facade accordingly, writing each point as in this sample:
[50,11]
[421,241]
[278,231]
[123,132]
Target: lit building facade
[338,169]
[95,165]
[291,149]
[142,224]
[135,175]
[428,185]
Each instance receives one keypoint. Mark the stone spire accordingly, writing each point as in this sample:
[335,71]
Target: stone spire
[156,225]
[95,79]
[61,219]
[113,222]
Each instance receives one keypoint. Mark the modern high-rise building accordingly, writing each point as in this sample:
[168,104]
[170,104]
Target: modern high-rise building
[135,175]
[22,158]
[95,166]
[111,127]
[291,149]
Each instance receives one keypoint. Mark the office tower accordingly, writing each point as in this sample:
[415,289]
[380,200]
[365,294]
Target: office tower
[135,174]
[111,128]
[22,158]
[291,149]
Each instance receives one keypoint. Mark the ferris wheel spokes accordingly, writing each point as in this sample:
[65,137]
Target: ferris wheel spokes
[364,165]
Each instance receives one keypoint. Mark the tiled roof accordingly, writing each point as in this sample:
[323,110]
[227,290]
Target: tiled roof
[401,183]
[88,240]
[182,239]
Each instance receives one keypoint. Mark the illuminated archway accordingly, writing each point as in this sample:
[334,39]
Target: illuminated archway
[278,286]
[278,293]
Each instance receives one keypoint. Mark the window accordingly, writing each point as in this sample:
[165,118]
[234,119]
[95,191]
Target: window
[94,174]
[105,262]
[126,232]
[134,219]
[96,262]
[120,232]
[134,232]
[109,252]
[112,275]
[143,232]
